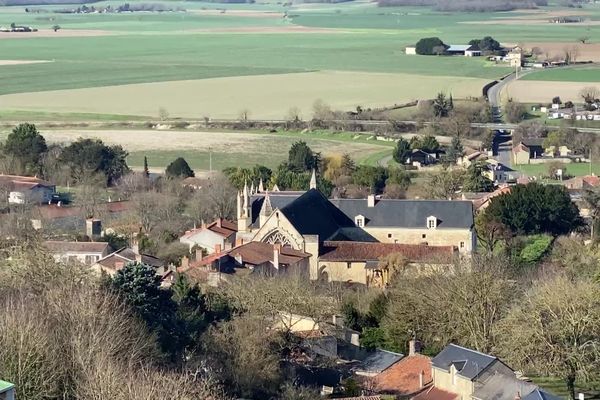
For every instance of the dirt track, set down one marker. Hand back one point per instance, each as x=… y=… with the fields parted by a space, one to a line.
x=51 y=33
x=20 y=62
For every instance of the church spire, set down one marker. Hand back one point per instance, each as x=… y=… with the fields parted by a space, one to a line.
x=313 y=180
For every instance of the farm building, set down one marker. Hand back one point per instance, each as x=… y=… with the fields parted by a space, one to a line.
x=466 y=50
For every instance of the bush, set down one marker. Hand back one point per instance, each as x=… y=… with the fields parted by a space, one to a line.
x=515 y=112
x=179 y=169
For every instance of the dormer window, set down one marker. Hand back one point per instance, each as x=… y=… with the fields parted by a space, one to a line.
x=432 y=222
x=359 y=221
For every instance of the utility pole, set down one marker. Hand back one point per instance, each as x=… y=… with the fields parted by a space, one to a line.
x=210 y=160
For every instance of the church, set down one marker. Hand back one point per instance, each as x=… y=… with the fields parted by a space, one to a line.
x=347 y=237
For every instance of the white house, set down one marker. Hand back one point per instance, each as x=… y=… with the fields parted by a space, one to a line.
x=27 y=189
x=220 y=233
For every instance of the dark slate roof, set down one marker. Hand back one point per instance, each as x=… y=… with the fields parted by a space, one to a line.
x=503 y=387
x=278 y=201
x=539 y=394
x=313 y=214
x=379 y=361
x=468 y=363
x=409 y=213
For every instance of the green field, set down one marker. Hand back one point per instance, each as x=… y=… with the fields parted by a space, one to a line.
x=573 y=169
x=581 y=74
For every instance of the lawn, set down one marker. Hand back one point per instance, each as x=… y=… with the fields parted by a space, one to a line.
x=581 y=74
x=558 y=387
x=573 y=169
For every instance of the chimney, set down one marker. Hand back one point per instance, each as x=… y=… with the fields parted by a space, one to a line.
x=239 y=241
x=198 y=254
x=371 y=200
x=219 y=222
x=414 y=347
x=218 y=248
x=421 y=378
x=138 y=257
x=93 y=228
x=276 y=251
x=185 y=262
x=581 y=396
x=135 y=246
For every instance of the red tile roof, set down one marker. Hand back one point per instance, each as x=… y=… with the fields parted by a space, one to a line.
x=434 y=393
x=25 y=181
x=256 y=253
x=221 y=227
x=403 y=377
x=365 y=251
x=54 y=211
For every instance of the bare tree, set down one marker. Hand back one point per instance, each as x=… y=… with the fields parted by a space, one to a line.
x=589 y=94
x=556 y=330
x=445 y=184
x=583 y=39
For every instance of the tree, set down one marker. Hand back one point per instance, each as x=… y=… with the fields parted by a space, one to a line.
x=514 y=111
x=401 y=151
x=553 y=169
x=441 y=106
x=534 y=208
x=455 y=150
x=589 y=94
x=583 y=39
x=556 y=100
x=301 y=157
x=139 y=286
x=348 y=166
x=370 y=177
x=555 y=330
x=92 y=155
x=179 y=169
x=163 y=114
x=27 y=145
x=490 y=232
x=464 y=307
x=426 y=46
x=592 y=198
x=55 y=28
x=146 y=170
x=489 y=45
x=475 y=181
x=445 y=184
x=398 y=176
x=429 y=144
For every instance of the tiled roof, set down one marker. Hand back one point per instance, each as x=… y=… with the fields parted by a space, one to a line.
x=256 y=253
x=434 y=393
x=221 y=227
x=31 y=180
x=404 y=377
x=76 y=247
x=53 y=211
x=365 y=251
x=468 y=363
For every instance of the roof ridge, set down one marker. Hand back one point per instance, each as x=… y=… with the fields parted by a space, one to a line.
x=473 y=351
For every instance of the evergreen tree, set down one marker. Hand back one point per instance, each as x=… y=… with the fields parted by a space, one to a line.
x=455 y=150
x=179 y=169
x=475 y=181
x=348 y=166
x=146 y=170
x=301 y=158
x=450 y=103
x=27 y=145
x=401 y=151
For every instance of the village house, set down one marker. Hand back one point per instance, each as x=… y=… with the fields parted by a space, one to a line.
x=258 y=257
x=7 y=391
x=582 y=182
x=27 y=189
x=499 y=173
x=466 y=50
x=407 y=377
x=218 y=233
x=464 y=374
x=482 y=200
x=115 y=261
x=420 y=158
x=87 y=253
x=528 y=149
x=362 y=262
x=61 y=218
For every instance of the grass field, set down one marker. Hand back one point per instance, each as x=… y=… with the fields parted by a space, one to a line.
x=533 y=91
x=251 y=40
x=227 y=148
x=583 y=74
x=266 y=96
x=573 y=169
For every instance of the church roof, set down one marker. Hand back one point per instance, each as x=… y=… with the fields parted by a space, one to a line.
x=278 y=201
x=313 y=214
x=409 y=213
